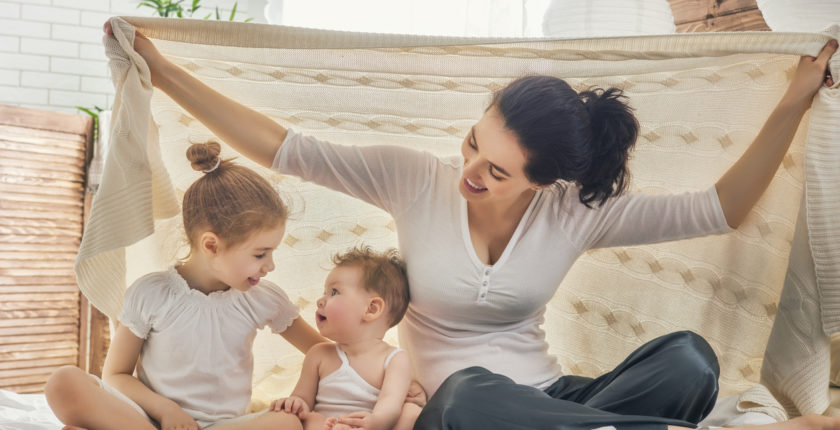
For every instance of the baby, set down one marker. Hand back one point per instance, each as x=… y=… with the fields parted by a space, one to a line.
x=360 y=381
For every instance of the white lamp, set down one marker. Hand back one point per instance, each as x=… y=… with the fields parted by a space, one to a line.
x=800 y=15
x=575 y=18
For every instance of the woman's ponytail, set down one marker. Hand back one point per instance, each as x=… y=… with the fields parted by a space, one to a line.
x=614 y=132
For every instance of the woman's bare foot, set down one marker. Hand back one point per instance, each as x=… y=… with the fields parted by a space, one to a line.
x=807 y=422
x=812 y=422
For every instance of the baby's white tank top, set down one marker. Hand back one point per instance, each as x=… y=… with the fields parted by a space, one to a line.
x=345 y=391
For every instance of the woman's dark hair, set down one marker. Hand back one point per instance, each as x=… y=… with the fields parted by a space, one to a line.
x=581 y=138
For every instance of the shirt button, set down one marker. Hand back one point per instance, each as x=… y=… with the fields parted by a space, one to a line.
x=484 y=283
x=487 y=272
x=482 y=295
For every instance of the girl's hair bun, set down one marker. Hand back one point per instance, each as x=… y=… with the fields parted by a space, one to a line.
x=204 y=157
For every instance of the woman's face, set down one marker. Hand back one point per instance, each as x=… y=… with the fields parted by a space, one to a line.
x=494 y=162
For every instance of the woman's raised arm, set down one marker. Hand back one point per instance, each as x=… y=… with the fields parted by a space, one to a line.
x=742 y=185
x=249 y=132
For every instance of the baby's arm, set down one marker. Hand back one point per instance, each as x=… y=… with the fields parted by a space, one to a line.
x=302 y=335
x=302 y=399
x=389 y=405
x=118 y=372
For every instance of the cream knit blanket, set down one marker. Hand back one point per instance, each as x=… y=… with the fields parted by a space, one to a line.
x=701 y=98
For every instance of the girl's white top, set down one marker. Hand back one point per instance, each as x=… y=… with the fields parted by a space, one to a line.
x=466 y=313
x=345 y=391
x=197 y=348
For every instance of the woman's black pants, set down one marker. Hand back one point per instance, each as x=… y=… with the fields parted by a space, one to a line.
x=671 y=380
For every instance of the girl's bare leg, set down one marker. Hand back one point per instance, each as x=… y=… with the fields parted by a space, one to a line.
x=77 y=400
x=268 y=421
x=314 y=421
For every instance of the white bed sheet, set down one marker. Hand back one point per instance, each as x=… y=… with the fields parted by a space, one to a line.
x=30 y=412
x=26 y=412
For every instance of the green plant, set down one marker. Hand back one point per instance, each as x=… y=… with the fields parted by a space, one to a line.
x=164 y=8
x=173 y=8
x=94 y=113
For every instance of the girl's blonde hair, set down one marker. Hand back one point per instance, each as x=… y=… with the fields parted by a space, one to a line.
x=230 y=200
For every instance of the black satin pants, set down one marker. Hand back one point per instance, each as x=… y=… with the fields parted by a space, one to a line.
x=671 y=380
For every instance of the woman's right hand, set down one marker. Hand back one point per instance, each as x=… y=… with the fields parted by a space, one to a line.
x=146 y=49
x=247 y=131
x=176 y=419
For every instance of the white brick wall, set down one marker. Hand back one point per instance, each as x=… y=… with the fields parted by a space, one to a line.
x=51 y=54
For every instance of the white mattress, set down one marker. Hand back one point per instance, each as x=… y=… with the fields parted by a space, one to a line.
x=30 y=412
x=26 y=412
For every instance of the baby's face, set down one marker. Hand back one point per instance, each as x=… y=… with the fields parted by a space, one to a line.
x=344 y=303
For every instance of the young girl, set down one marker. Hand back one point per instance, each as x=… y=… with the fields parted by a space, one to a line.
x=360 y=381
x=189 y=330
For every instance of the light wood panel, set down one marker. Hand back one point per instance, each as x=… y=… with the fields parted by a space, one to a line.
x=43 y=158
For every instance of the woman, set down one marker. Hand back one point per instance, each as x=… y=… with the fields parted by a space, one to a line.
x=488 y=238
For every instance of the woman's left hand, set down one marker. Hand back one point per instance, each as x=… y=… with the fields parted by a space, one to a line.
x=416 y=394
x=811 y=73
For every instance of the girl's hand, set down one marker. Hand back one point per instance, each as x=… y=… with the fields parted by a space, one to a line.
x=811 y=73
x=176 y=419
x=146 y=49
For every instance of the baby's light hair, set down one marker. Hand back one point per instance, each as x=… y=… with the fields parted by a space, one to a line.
x=383 y=273
x=230 y=200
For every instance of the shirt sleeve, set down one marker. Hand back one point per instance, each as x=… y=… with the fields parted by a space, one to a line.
x=387 y=176
x=143 y=300
x=271 y=307
x=635 y=219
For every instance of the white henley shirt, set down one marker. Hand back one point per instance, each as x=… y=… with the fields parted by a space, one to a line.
x=463 y=312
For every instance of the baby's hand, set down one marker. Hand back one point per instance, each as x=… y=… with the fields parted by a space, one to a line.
x=291 y=405
x=360 y=420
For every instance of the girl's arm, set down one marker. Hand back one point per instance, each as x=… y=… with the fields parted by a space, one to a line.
x=259 y=140
x=307 y=385
x=388 y=406
x=742 y=185
x=118 y=372
x=302 y=335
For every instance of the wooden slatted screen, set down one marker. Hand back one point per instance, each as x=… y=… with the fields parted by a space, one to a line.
x=42 y=173
x=691 y=16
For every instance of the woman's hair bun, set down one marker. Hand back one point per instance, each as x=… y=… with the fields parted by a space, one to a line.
x=614 y=131
x=204 y=157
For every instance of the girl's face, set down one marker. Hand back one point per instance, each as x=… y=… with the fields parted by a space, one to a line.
x=242 y=265
x=494 y=162
x=343 y=305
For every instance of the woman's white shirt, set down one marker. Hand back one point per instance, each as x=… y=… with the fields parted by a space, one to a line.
x=198 y=347
x=465 y=313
